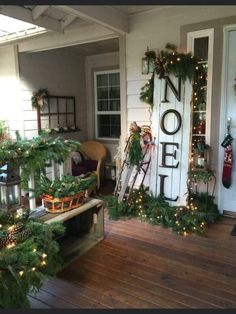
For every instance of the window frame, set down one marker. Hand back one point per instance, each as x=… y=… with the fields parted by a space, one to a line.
x=191 y=36
x=97 y=112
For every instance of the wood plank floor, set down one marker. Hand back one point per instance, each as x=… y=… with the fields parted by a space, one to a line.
x=143 y=266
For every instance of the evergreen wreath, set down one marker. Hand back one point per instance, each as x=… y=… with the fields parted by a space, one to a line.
x=28 y=253
x=183 y=65
x=38 y=99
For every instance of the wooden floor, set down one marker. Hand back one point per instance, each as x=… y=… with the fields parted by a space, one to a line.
x=143 y=266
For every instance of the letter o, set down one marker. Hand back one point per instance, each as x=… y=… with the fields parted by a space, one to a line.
x=179 y=121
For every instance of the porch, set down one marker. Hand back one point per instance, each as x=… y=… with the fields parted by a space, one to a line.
x=142 y=266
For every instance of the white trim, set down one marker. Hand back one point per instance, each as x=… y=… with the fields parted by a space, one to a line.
x=103 y=112
x=223 y=108
x=123 y=93
x=190 y=47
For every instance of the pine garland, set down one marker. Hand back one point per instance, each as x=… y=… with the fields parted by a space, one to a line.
x=35 y=154
x=183 y=65
x=195 y=217
x=146 y=94
x=25 y=260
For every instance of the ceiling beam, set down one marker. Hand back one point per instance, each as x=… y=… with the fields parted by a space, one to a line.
x=67 y=20
x=100 y=14
x=25 y=15
x=38 y=10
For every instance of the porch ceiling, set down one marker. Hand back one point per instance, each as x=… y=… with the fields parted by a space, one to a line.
x=59 y=18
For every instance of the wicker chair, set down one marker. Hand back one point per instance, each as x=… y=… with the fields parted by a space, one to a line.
x=95 y=151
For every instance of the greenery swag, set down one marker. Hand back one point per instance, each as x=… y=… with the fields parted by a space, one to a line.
x=183 y=65
x=35 y=154
x=28 y=252
x=200 y=212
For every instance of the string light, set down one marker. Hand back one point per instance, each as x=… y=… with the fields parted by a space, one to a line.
x=21 y=273
x=11 y=228
x=9 y=246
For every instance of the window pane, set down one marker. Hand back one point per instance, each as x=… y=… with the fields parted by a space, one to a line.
x=201 y=48
x=115 y=119
x=115 y=131
x=102 y=80
x=114 y=79
x=114 y=93
x=109 y=126
x=104 y=119
x=115 y=105
x=102 y=105
x=102 y=93
x=103 y=131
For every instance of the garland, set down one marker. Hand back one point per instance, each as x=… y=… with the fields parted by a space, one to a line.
x=200 y=212
x=34 y=155
x=28 y=252
x=183 y=65
x=199 y=175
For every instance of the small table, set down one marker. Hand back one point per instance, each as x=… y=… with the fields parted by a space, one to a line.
x=84 y=227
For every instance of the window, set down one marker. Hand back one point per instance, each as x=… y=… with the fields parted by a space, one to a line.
x=107 y=104
x=201 y=45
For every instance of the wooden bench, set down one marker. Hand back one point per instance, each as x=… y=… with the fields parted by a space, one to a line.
x=84 y=227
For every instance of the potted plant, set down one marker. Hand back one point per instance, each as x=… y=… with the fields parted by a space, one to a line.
x=64 y=194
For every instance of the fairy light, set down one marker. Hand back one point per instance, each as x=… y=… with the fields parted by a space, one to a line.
x=44 y=255
x=11 y=228
x=34 y=250
x=11 y=245
x=43 y=263
x=21 y=273
x=33 y=269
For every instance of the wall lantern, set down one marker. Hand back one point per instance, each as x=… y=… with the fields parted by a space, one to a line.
x=201 y=157
x=147 y=63
x=10 y=192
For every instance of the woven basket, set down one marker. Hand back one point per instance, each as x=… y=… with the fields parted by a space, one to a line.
x=60 y=205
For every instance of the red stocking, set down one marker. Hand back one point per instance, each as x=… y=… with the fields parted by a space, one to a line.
x=227 y=168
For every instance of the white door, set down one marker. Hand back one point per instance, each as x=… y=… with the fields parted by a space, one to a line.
x=227 y=197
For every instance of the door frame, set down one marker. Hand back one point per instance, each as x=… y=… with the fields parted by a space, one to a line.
x=223 y=110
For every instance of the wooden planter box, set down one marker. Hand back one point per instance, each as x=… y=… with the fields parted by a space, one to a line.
x=60 y=205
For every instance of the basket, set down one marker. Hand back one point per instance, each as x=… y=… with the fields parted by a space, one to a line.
x=60 y=205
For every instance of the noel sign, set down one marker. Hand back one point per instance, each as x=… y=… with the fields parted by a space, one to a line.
x=171 y=130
